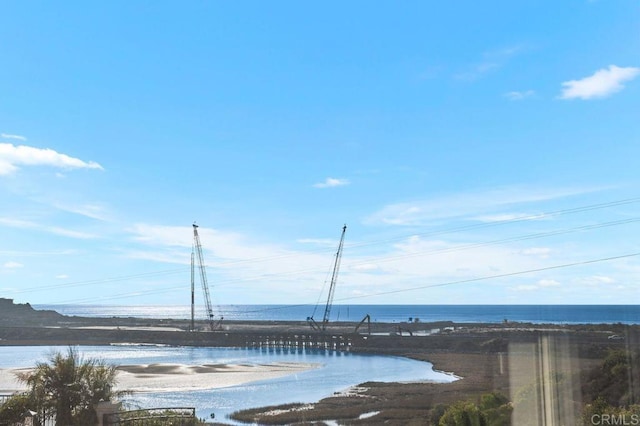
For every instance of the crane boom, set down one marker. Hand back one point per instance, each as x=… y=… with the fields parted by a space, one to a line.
x=334 y=278
x=332 y=288
x=203 y=275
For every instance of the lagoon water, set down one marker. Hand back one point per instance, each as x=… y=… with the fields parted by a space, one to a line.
x=338 y=372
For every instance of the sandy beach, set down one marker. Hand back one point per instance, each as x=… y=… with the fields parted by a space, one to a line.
x=180 y=377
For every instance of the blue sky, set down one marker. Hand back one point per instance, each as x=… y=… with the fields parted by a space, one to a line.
x=457 y=141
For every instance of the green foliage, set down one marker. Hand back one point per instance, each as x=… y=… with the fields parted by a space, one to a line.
x=69 y=387
x=437 y=412
x=494 y=409
x=612 y=382
x=600 y=412
x=14 y=409
x=462 y=413
x=492 y=400
x=160 y=418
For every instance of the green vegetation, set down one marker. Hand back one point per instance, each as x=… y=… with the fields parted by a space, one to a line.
x=160 y=417
x=67 y=387
x=494 y=409
x=613 y=389
x=614 y=380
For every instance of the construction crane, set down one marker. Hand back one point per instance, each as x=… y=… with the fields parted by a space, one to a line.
x=365 y=320
x=332 y=288
x=197 y=253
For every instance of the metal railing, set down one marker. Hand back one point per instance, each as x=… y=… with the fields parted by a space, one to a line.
x=174 y=416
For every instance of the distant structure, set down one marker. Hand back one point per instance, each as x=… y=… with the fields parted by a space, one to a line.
x=196 y=255
x=332 y=288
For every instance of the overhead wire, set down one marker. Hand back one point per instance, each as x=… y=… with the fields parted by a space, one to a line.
x=352 y=245
x=222 y=283
x=409 y=289
x=496 y=276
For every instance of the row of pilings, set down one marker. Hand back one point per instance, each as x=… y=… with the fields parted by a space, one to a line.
x=334 y=342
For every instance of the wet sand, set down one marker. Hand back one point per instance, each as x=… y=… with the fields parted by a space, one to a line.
x=179 y=377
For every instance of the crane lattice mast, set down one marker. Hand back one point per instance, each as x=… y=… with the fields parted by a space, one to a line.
x=193 y=291
x=197 y=248
x=332 y=287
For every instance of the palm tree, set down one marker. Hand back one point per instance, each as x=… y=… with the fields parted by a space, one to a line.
x=69 y=386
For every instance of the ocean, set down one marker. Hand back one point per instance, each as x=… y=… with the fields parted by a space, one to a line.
x=537 y=314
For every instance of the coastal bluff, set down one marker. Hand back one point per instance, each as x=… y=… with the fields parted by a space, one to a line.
x=20 y=314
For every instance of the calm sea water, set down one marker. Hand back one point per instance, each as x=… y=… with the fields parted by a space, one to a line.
x=339 y=371
x=556 y=314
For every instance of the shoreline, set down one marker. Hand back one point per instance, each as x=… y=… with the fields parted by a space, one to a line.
x=169 y=377
x=487 y=357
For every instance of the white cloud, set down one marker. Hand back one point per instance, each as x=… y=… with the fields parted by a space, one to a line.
x=62 y=276
x=93 y=211
x=317 y=241
x=597 y=280
x=12 y=265
x=16 y=137
x=365 y=267
x=473 y=205
x=542 y=252
x=491 y=60
x=548 y=283
x=235 y=258
x=544 y=283
x=601 y=84
x=331 y=182
x=505 y=217
x=69 y=233
x=13 y=156
x=17 y=223
x=24 y=224
x=530 y=287
x=518 y=96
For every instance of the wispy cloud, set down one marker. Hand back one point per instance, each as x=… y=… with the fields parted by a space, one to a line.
x=491 y=60
x=16 y=137
x=472 y=205
x=503 y=217
x=601 y=84
x=17 y=223
x=542 y=252
x=331 y=183
x=12 y=265
x=25 y=224
x=93 y=211
x=70 y=233
x=317 y=241
x=13 y=156
x=541 y=284
x=235 y=258
x=518 y=96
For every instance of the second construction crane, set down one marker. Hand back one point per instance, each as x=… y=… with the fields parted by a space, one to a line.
x=196 y=254
x=332 y=288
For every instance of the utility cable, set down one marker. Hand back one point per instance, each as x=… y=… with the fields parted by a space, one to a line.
x=352 y=245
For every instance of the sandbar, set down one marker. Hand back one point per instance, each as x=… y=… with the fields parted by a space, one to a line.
x=180 y=377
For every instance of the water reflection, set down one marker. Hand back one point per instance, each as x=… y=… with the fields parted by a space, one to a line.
x=338 y=371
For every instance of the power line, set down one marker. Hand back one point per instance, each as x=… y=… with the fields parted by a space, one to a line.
x=409 y=289
x=362 y=244
x=502 y=241
x=505 y=221
x=102 y=281
x=509 y=274
x=380 y=259
x=222 y=283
